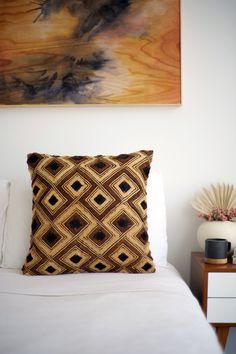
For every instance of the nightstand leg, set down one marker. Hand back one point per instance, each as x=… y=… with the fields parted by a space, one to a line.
x=222 y=334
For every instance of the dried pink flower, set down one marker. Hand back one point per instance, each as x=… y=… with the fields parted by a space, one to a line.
x=219 y=214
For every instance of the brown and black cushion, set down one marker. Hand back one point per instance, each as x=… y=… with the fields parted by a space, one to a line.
x=89 y=214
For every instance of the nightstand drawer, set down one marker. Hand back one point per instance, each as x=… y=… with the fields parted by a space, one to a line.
x=215 y=287
x=222 y=284
x=221 y=310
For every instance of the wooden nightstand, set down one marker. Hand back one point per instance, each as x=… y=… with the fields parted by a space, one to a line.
x=215 y=288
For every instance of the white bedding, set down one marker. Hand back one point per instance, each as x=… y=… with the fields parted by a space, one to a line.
x=101 y=314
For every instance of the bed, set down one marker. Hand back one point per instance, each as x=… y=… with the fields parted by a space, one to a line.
x=101 y=313
x=95 y=313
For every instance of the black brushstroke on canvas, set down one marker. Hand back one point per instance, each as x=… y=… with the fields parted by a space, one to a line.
x=70 y=84
x=99 y=13
x=71 y=78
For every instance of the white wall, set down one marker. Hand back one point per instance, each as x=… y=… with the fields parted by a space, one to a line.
x=195 y=142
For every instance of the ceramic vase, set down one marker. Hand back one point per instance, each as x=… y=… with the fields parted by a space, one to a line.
x=217 y=229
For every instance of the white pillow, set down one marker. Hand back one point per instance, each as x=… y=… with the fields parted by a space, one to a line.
x=17 y=235
x=18 y=225
x=4 y=199
x=157 y=218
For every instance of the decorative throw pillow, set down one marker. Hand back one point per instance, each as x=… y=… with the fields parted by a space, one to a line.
x=89 y=214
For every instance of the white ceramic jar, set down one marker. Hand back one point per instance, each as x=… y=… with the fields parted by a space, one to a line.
x=217 y=229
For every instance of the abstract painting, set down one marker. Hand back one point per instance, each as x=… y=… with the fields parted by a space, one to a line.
x=63 y=52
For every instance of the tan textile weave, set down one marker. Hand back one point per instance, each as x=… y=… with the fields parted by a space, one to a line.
x=89 y=214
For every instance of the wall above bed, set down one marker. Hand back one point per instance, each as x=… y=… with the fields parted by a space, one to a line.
x=194 y=143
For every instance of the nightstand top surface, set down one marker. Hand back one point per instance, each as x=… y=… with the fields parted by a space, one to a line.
x=199 y=258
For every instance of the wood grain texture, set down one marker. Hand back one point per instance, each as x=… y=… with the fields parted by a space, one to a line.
x=84 y=52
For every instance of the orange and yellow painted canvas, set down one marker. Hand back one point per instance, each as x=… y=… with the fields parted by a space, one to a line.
x=90 y=52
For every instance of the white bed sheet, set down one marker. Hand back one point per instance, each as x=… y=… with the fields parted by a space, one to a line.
x=101 y=314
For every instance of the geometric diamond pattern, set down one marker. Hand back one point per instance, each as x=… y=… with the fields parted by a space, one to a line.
x=144 y=205
x=29 y=258
x=74 y=259
x=76 y=186
x=141 y=205
x=75 y=223
x=124 y=186
x=99 y=236
x=50 y=268
x=38 y=189
x=100 y=166
x=145 y=265
x=53 y=201
x=100 y=265
x=51 y=238
x=123 y=222
x=143 y=236
x=54 y=167
x=99 y=200
x=89 y=214
x=35 y=224
x=32 y=258
x=124 y=255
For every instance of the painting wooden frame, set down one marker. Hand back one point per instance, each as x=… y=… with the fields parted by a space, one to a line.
x=85 y=52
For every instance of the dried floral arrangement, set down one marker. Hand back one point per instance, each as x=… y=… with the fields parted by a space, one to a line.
x=217 y=203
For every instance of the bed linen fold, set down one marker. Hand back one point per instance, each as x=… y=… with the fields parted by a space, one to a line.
x=14 y=282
